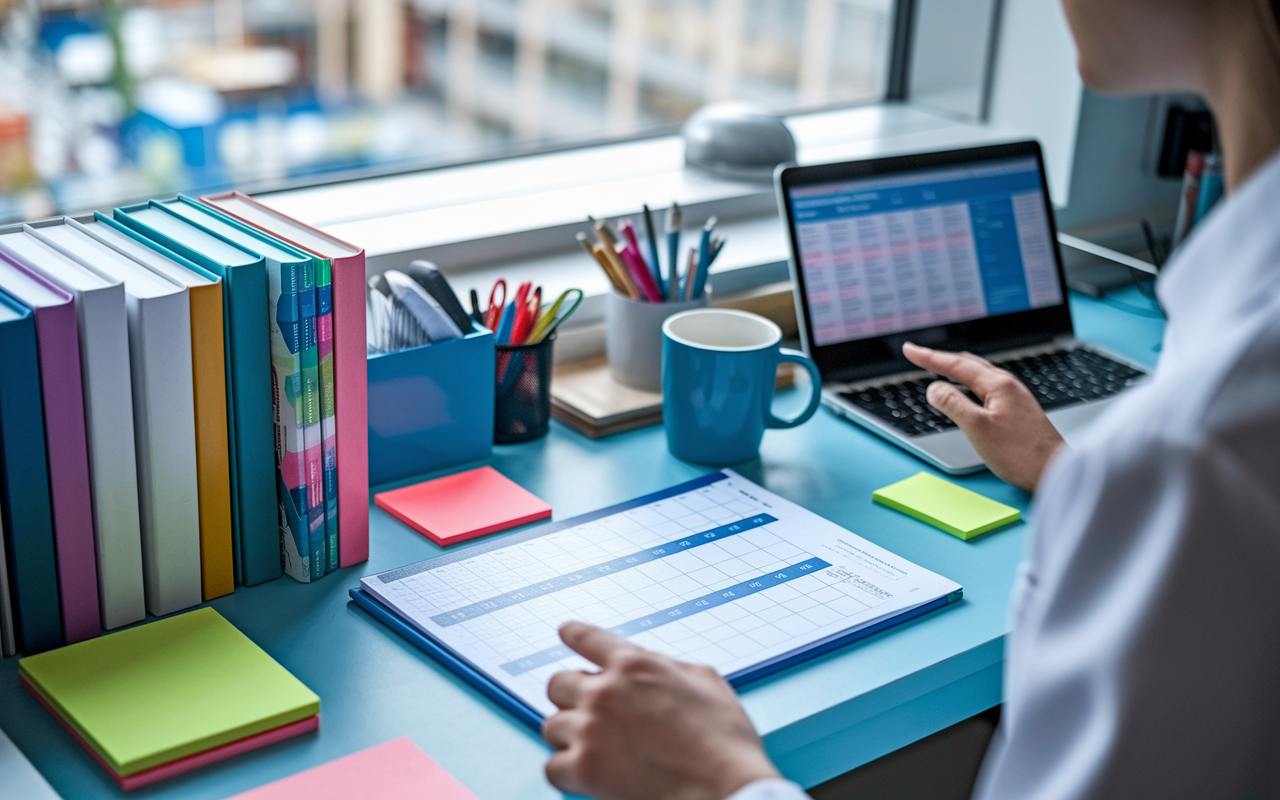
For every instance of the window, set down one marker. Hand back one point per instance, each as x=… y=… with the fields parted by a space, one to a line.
x=111 y=100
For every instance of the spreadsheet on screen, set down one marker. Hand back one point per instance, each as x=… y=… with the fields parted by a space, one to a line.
x=931 y=247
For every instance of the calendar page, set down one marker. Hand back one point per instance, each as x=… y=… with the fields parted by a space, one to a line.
x=718 y=571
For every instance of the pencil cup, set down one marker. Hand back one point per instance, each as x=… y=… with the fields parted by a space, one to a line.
x=522 y=403
x=633 y=338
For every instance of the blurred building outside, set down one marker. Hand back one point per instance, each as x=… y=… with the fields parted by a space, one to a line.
x=108 y=101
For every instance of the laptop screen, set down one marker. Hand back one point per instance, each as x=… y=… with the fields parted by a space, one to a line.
x=923 y=248
x=952 y=249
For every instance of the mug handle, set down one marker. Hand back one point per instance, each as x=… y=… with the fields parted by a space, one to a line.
x=815 y=385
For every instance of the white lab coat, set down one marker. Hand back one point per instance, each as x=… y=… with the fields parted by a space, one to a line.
x=1144 y=657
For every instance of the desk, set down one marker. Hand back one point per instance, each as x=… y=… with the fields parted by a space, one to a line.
x=819 y=719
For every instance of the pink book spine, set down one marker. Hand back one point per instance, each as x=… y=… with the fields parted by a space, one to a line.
x=351 y=399
x=351 y=385
x=63 y=395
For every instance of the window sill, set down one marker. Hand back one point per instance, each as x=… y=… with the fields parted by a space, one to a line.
x=516 y=218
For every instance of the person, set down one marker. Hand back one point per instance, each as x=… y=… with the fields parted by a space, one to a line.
x=1144 y=656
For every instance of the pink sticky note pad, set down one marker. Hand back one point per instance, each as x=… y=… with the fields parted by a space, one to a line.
x=462 y=506
x=397 y=769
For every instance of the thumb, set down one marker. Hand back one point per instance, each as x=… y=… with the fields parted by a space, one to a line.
x=953 y=402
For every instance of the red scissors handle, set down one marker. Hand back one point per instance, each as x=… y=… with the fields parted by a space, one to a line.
x=495 y=310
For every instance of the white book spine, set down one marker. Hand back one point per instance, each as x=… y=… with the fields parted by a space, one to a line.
x=164 y=421
x=113 y=466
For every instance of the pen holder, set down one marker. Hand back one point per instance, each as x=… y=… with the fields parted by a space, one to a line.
x=522 y=404
x=633 y=338
x=430 y=407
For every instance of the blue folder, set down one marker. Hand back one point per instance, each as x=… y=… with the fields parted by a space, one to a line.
x=486 y=685
x=24 y=485
x=250 y=425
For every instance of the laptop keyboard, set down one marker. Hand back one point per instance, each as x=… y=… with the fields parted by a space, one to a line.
x=1056 y=379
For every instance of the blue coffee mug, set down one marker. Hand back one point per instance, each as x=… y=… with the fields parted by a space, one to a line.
x=719 y=369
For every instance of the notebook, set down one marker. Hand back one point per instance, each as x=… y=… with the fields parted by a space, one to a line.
x=291 y=312
x=50 y=247
x=25 y=505
x=946 y=506
x=350 y=367
x=250 y=433
x=62 y=394
x=209 y=388
x=148 y=696
x=463 y=506
x=21 y=780
x=717 y=570
x=585 y=397
x=395 y=770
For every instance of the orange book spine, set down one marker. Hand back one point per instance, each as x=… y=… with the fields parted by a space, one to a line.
x=213 y=467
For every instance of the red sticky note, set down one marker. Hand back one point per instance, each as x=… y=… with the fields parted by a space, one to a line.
x=463 y=506
x=397 y=769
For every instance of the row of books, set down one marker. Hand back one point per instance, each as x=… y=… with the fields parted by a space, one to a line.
x=182 y=409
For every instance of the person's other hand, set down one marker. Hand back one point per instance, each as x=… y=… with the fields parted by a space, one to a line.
x=1009 y=430
x=646 y=726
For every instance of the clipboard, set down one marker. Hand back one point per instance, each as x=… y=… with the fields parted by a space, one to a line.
x=522 y=712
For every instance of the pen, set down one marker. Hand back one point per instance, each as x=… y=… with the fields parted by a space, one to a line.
x=674 y=218
x=653 y=250
x=640 y=273
x=704 y=258
x=690 y=275
x=521 y=323
x=504 y=326
x=635 y=260
x=475 y=307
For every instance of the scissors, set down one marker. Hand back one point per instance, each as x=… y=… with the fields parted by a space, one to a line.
x=553 y=316
x=495 y=309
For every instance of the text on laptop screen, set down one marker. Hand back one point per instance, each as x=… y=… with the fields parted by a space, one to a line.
x=899 y=252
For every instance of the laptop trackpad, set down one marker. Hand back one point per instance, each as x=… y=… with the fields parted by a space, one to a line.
x=1072 y=421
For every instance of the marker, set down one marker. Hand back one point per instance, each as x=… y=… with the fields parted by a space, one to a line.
x=674 y=218
x=653 y=250
x=704 y=259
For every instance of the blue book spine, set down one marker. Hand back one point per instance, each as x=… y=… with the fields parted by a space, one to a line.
x=249 y=361
x=28 y=511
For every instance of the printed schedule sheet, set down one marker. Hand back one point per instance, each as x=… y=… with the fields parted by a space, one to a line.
x=718 y=571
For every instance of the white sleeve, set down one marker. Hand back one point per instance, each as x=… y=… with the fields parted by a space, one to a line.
x=1145 y=653
x=769 y=789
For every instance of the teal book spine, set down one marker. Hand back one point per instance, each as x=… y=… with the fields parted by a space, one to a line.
x=24 y=485
x=313 y=434
x=250 y=425
x=328 y=407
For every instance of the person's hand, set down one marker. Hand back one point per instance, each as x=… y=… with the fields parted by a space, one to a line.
x=1009 y=430
x=646 y=726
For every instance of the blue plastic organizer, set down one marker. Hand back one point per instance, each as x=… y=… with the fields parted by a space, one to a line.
x=431 y=407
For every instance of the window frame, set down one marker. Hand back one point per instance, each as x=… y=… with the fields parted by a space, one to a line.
x=529 y=244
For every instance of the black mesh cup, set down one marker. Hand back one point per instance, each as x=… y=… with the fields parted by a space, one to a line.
x=522 y=401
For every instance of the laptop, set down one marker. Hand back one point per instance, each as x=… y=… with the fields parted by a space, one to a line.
x=954 y=250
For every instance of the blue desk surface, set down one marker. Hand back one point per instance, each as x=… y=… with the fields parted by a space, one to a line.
x=819 y=719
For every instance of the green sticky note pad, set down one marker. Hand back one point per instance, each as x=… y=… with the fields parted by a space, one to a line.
x=149 y=695
x=945 y=505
